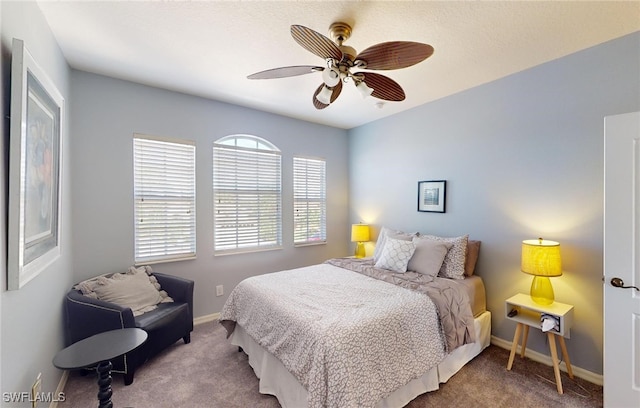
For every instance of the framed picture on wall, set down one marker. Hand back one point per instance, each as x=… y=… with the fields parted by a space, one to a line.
x=37 y=111
x=431 y=195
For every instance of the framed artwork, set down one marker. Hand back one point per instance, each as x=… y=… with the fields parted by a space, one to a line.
x=37 y=111
x=431 y=195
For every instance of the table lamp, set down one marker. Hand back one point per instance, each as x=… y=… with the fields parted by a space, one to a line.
x=359 y=234
x=541 y=258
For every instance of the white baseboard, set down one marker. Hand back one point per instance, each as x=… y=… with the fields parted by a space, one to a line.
x=60 y=389
x=206 y=319
x=545 y=359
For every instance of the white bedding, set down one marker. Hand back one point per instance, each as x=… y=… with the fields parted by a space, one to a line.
x=349 y=340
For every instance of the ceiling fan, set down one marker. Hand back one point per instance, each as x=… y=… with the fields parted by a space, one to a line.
x=341 y=59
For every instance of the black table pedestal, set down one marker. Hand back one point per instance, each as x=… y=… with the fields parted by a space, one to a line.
x=104 y=384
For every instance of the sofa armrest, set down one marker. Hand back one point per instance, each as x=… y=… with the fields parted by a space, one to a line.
x=86 y=316
x=180 y=289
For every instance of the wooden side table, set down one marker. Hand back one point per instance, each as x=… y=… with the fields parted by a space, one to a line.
x=523 y=310
x=100 y=349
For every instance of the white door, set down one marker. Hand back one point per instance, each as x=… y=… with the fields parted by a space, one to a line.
x=622 y=261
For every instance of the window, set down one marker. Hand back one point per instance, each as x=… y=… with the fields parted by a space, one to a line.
x=164 y=192
x=309 y=201
x=247 y=213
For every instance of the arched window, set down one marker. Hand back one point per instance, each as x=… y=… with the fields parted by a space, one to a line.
x=247 y=194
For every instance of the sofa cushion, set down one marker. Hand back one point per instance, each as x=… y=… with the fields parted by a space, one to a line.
x=162 y=315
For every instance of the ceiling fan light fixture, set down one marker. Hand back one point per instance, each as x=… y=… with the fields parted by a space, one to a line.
x=340 y=59
x=331 y=76
x=364 y=89
x=324 y=96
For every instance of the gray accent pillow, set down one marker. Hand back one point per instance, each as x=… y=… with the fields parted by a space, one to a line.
x=454 y=262
x=428 y=256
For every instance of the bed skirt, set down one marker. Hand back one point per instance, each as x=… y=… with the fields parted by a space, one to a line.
x=276 y=380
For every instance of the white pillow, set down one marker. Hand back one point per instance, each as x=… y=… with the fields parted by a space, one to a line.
x=453 y=265
x=382 y=237
x=429 y=255
x=395 y=255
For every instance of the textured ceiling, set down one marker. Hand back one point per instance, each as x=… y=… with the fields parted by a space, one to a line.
x=207 y=48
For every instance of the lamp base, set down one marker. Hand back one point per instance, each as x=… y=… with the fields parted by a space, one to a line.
x=541 y=290
x=360 y=252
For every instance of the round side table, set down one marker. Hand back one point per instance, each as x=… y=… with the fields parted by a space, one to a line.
x=100 y=349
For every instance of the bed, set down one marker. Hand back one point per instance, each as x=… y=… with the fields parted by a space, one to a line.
x=362 y=332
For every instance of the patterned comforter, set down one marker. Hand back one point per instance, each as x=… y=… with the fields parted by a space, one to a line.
x=348 y=338
x=452 y=302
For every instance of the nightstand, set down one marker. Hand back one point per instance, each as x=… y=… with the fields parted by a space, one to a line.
x=529 y=314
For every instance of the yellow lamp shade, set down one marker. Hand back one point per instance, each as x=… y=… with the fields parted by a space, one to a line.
x=541 y=258
x=359 y=233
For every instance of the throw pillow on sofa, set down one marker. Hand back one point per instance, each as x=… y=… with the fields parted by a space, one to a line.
x=136 y=288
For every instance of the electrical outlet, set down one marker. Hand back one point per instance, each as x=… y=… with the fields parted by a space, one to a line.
x=219 y=290
x=35 y=391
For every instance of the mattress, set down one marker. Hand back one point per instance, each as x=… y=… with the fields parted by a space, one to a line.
x=474 y=286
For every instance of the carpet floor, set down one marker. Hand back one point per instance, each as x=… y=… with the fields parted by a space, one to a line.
x=210 y=372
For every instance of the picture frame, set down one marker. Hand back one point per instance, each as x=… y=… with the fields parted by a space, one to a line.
x=35 y=146
x=432 y=196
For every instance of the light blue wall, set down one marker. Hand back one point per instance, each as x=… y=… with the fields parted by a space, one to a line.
x=523 y=158
x=32 y=323
x=106 y=113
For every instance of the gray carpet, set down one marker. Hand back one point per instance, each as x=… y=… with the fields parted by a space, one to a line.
x=210 y=372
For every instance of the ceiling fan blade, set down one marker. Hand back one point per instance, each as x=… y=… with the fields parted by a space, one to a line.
x=315 y=42
x=395 y=54
x=316 y=103
x=284 y=72
x=383 y=87
x=336 y=91
x=334 y=95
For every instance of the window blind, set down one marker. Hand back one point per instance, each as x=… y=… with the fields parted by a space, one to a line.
x=164 y=199
x=247 y=197
x=309 y=201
